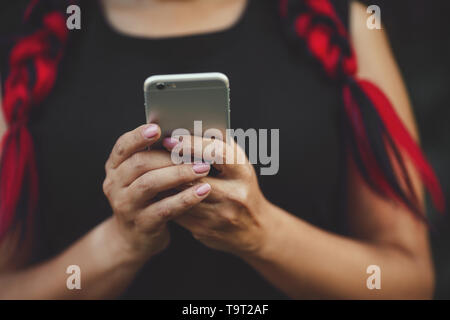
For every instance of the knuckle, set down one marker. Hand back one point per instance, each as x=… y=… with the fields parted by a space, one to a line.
x=120 y=148
x=183 y=173
x=138 y=161
x=107 y=165
x=136 y=136
x=107 y=186
x=164 y=210
x=145 y=183
x=186 y=200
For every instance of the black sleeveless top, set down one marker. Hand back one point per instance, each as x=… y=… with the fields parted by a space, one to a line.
x=99 y=96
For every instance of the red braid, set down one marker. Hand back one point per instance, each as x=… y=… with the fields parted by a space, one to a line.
x=33 y=63
x=373 y=126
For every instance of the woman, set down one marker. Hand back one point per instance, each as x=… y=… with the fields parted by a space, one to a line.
x=311 y=231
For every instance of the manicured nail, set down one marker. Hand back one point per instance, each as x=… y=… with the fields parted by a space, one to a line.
x=150 y=131
x=200 y=168
x=203 y=189
x=170 y=143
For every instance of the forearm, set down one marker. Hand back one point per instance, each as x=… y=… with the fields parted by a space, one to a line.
x=106 y=270
x=306 y=262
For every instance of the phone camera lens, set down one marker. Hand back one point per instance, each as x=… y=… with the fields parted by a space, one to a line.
x=160 y=86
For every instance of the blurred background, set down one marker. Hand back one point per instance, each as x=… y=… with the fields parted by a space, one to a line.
x=419 y=31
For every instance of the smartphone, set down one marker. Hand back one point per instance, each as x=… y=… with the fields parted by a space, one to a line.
x=180 y=100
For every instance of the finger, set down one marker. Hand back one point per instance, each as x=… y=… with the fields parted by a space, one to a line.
x=190 y=222
x=140 y=163
x=202 y=216
x=132 y=142
x=223 y=156
x=153 y=182
x=172 y=207
x=191 y=147
x=220 y=188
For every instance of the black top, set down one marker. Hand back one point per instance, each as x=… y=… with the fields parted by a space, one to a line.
x=99 y=96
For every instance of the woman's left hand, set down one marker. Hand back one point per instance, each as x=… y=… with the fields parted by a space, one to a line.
x=233 y=217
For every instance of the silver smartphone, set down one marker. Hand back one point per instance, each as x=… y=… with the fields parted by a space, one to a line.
x=178 y=101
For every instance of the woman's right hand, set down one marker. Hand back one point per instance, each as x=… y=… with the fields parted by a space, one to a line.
x=135 y=179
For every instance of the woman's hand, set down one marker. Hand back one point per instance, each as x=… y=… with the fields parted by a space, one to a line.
x=232 y=218
x=135 y=181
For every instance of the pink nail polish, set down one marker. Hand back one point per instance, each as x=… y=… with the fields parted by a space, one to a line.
x=200 y=168
x=170 y=143
x=150 y=131
x=203 y=189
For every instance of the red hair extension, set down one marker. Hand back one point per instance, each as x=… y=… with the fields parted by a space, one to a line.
x=373 y=126
x=33 y=63
x=402 y=138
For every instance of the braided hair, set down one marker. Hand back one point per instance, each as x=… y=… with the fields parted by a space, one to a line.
x=373 y=128
x=32 y=69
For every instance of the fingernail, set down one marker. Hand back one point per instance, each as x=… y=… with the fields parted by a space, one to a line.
x=203 y=189
x=201 y=168
x=170 y=143
x=150 y=131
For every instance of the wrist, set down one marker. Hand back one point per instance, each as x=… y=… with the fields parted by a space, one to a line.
x=120 y=247
x=267 y=225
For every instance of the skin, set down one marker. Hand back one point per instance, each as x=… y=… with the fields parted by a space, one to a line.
x=234 y=216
